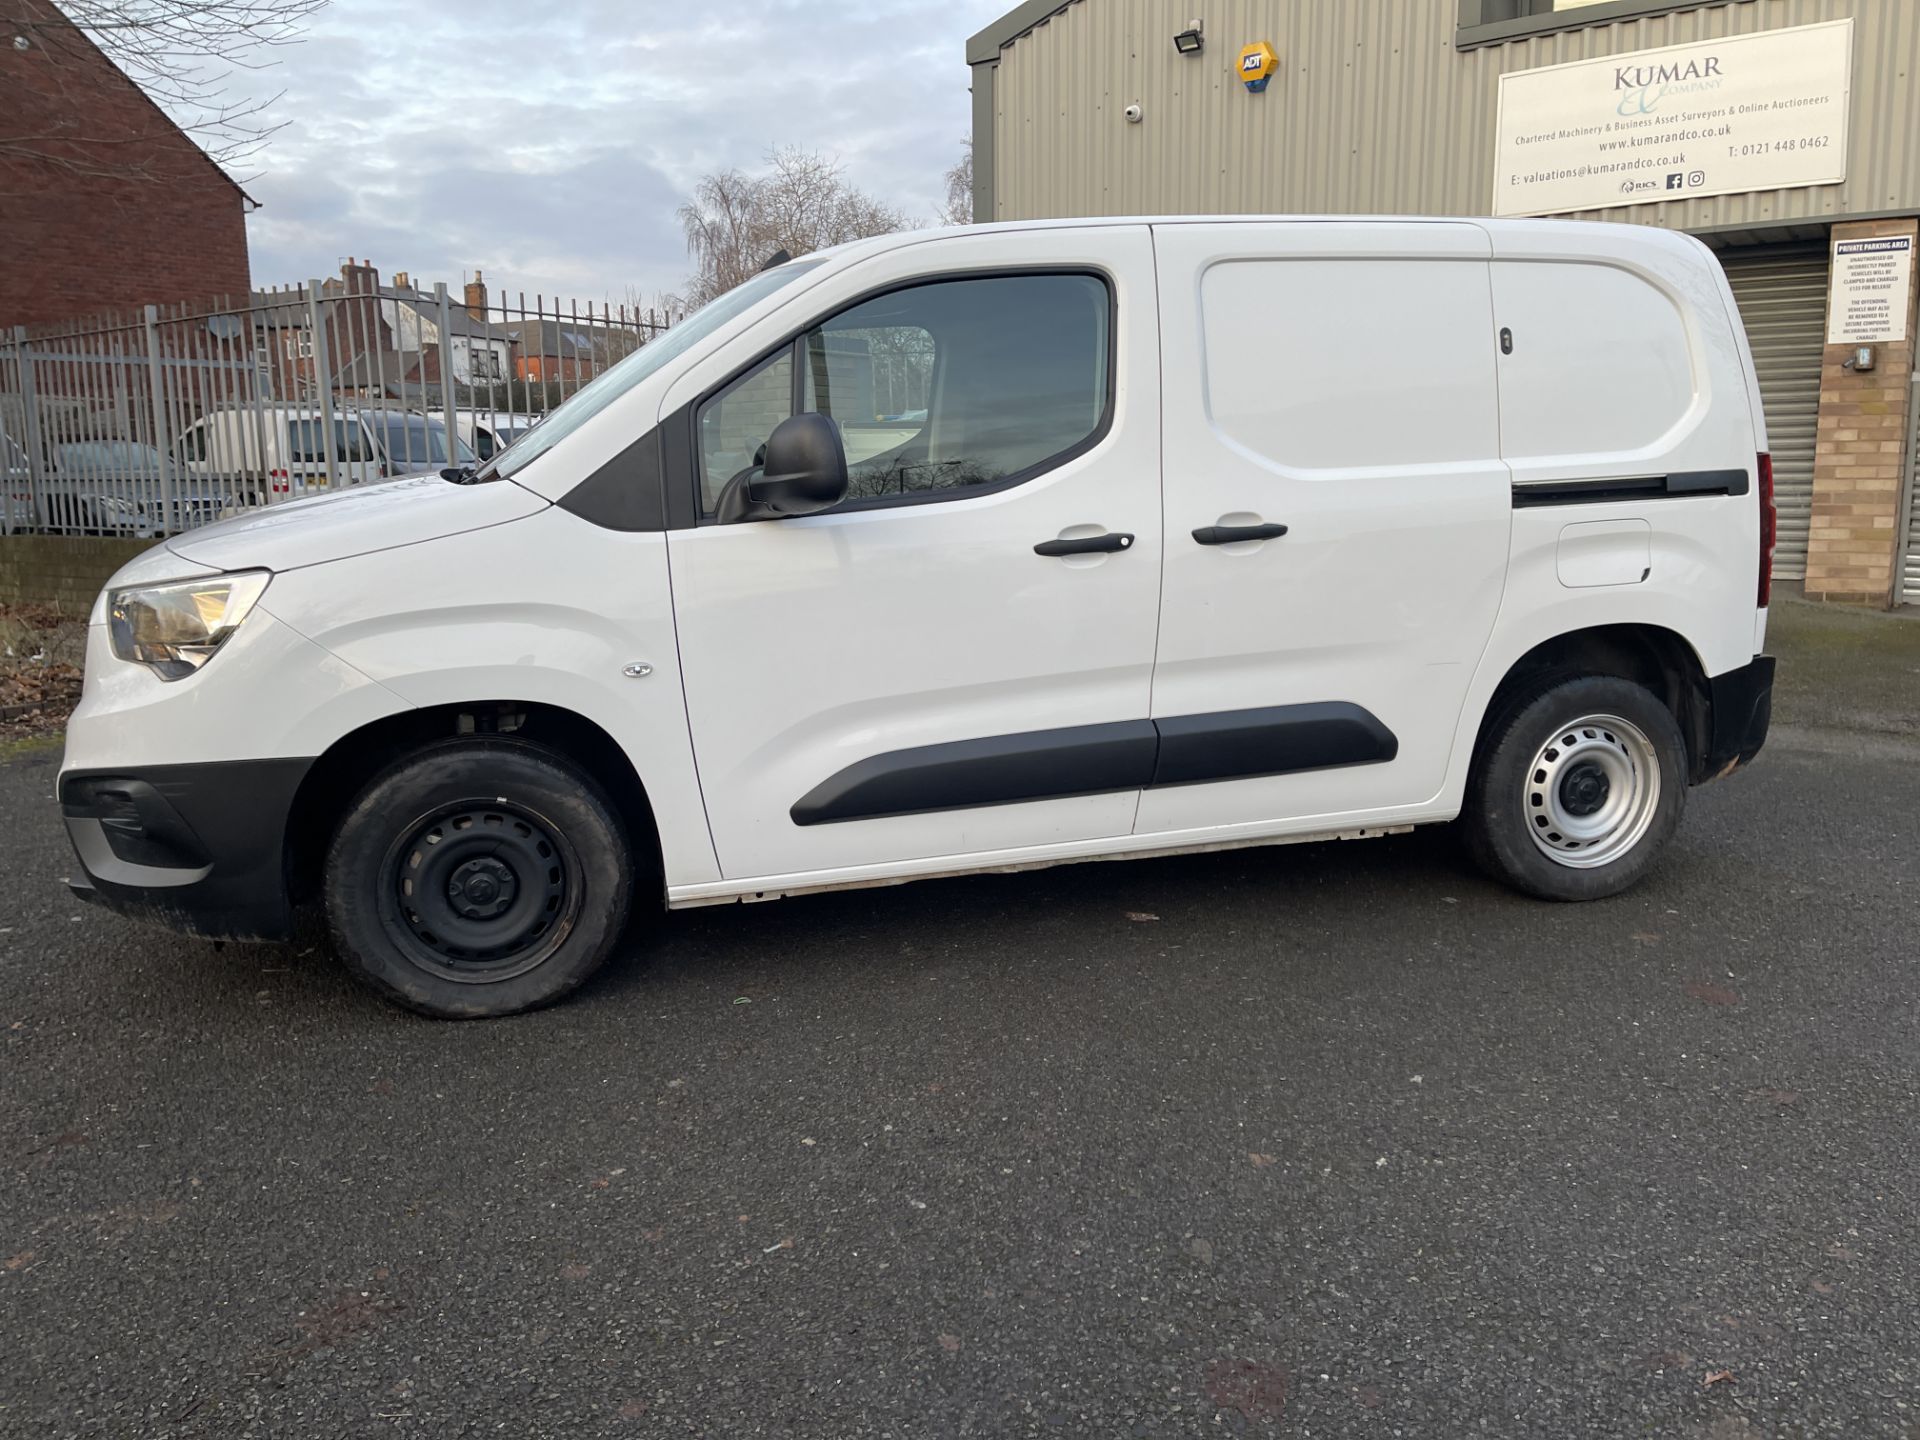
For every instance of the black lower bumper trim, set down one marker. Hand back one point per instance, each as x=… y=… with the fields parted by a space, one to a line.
x=1742 y=711
x=200 y=848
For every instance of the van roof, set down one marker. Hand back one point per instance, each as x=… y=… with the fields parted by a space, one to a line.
x=1575 y=234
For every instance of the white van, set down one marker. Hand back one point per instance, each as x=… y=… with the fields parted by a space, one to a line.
x=1201 y=533
x=284 y=449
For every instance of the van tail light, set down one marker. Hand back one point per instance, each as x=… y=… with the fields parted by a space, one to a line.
x=1769 y=530
x=282 y=482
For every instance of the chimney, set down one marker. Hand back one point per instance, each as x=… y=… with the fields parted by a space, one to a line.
x=402 y=280
x=477 y=297
x=361 y=279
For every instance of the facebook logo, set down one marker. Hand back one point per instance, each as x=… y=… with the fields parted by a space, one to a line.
x=1676 y=180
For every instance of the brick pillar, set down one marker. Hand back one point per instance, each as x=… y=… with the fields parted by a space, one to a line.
x=1859 y=459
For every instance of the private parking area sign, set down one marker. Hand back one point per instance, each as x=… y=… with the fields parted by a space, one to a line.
x=1872 y=279
x=1766 y=111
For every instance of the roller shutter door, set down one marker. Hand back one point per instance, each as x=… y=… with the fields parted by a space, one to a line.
x=1910 y=581
x=1782 y=294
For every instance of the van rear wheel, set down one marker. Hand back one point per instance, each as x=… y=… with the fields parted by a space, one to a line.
x=478 y=877
x=1578 y=786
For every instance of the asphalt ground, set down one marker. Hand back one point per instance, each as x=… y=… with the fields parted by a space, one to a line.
x=1317 y=1140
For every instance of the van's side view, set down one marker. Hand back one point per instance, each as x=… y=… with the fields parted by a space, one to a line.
x=972 y=550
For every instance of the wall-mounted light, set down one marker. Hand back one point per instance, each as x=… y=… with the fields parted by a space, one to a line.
x=1190 y=41
x=1860 y=359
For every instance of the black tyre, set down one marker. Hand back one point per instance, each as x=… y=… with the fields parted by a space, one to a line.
x=1578 y=785
x=478 y=878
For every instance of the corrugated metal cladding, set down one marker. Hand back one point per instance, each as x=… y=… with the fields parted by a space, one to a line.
x=1373 y=111
x=1782 y=296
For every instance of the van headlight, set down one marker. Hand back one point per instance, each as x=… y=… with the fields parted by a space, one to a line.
x=174 y=629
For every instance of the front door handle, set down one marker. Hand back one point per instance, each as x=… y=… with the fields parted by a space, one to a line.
x=1087 y=544
x=1227 y=534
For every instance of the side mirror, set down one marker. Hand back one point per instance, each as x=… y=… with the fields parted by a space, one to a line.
x=805 y=469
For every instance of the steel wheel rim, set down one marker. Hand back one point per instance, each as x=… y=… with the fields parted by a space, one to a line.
x=1591 y=793
x=480 y=891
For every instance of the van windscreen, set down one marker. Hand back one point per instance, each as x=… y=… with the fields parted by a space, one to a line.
x=306 y=441
x=610 y=385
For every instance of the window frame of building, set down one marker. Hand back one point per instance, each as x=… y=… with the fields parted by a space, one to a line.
x=1494 y=22
x=795 y=346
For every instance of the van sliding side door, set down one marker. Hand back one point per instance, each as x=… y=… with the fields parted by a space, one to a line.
x=1337 y=516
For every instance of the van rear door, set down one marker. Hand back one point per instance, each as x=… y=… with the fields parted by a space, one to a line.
x=1336 y=516
x=356 y=458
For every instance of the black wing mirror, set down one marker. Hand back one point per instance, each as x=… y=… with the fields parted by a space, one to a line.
x=805 y=469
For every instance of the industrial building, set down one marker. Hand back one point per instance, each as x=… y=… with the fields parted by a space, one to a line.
x=1784 y=133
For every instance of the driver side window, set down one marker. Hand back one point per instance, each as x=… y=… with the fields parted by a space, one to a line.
x=937 y=388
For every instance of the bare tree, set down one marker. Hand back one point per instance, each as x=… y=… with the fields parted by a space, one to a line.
x=959 y=207
x=189 y=56
x=801 y=203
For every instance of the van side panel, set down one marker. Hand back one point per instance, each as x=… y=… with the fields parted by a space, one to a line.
x=1624 y=399
x=1338 y=380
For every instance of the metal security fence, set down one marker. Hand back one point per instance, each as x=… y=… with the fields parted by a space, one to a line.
x=148 y=424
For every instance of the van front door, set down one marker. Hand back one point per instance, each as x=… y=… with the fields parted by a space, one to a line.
x=1337 y=519
x=955 y=661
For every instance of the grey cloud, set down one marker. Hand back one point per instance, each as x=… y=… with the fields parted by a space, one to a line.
x=550 y=145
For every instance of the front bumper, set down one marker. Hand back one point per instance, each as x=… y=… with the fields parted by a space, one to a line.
x=1742 y=710
x=200 y=848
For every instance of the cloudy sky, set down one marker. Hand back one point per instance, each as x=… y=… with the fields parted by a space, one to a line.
x=548 y=142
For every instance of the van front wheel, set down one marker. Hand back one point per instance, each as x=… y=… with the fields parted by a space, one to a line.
x=1577 y=787
x=477 y=878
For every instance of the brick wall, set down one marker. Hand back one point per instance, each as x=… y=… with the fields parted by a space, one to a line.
x=63 y=571
x=87 y=226
x=1859 y=460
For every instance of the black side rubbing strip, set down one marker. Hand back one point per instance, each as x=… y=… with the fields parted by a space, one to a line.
x=1707 y=482
x=1683 y=484
x=1100 y=759
x=626 y=493
x=998 y=770
x=1277 y=740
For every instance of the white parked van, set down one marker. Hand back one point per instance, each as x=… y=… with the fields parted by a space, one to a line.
x=1196 y=533
x=287 y=449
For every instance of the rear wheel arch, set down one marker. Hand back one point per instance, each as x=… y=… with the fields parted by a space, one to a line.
x=1661 y=660
x=339 y=775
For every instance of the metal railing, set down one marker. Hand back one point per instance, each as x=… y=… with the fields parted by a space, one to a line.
x=149 y=424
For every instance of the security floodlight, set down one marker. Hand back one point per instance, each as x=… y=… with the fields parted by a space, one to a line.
x=1190 y=41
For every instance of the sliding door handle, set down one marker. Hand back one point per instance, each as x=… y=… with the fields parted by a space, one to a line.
x=1227 y=534
x=1087 y=544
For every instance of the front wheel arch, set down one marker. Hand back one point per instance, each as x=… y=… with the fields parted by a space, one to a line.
x=346 y=767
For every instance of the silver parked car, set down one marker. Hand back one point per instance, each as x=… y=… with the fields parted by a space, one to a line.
x=123 y=487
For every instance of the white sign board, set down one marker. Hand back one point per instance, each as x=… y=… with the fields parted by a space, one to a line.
x=1867 y=304
x=1765 y=111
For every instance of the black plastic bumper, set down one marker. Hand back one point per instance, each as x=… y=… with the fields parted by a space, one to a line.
x=200 y=848
x=1742 y=710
